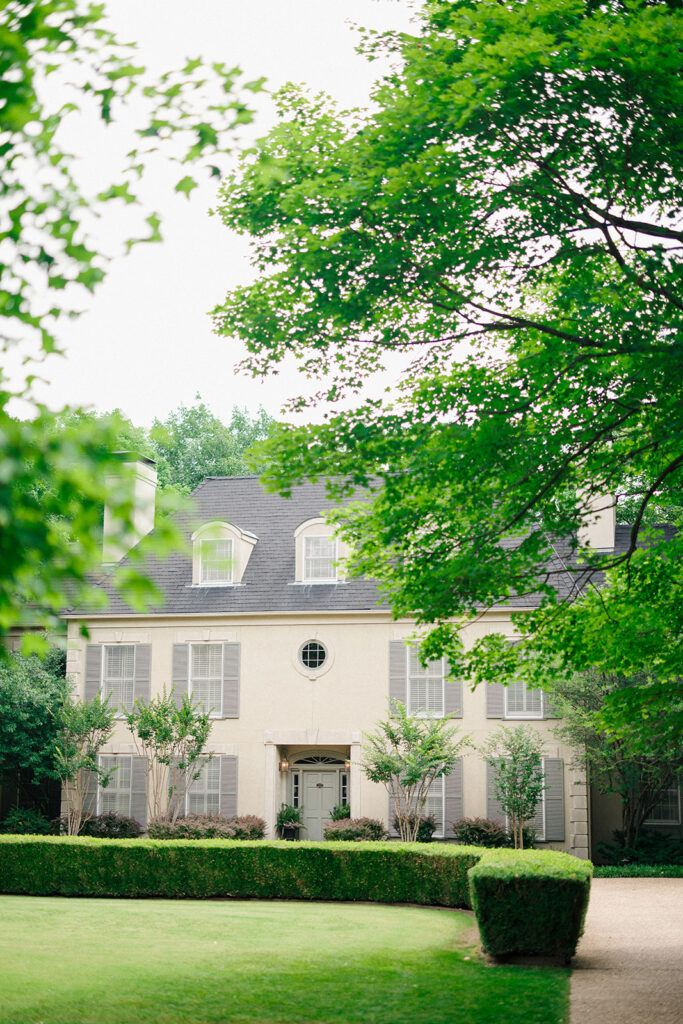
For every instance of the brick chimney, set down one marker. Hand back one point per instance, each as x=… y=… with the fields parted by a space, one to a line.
x=599 y=525
x=135 y=482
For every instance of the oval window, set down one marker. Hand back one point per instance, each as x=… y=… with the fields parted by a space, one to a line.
x=313 y=654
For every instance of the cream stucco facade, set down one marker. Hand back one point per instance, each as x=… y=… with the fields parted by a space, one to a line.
x=287 y=712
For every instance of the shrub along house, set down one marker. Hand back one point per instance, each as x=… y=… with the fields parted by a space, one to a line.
x=295 y=663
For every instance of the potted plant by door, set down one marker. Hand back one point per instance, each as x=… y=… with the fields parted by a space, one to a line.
x=289 y=821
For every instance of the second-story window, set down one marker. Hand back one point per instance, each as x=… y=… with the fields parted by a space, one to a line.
x=320 y=557
x=425 y=686
x=215 y=561
x=118 y=675
x=206 y=677
x=523 y=702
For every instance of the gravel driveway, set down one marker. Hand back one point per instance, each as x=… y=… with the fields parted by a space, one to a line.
x=628 y=968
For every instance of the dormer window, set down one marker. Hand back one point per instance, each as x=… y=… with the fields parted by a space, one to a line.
x=320 y=560
x=220 y=553
x=319 y=554
x=215 y=561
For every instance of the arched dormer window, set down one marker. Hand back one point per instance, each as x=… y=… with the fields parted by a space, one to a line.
x=220 y=553
x=319 y=554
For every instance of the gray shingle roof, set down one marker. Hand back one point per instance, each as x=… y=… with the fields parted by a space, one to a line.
x=268 y=582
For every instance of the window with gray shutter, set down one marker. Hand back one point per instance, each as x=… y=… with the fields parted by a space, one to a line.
x=204 y=793
x=180 y=671
x=391 y=828
x=138 y=794
x=90 y=799
x=116 y=795
x=228 y=797
x=554 y=799
x=495 y=700
x=398 y=687
x=93 y=670
x=494 y=811
x=453 y=798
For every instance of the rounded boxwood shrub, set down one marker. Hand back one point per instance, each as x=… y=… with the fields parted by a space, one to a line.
x=354 y=830
x=209 y=826
x=25 y=822
x=489 y=833
x=425 y=830
x=111 y=826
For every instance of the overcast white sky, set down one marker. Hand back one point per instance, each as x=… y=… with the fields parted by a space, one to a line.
x=146 y=344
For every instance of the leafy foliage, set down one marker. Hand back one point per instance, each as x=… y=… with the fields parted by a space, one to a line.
x=426 y=827
x=515 y=755
x=650 y=847
x=25 y=821
x=209 y=826
x=620 y=761
x=31 y=691
x=484 y=832
x=83 y=728
x=340 y=811
x=171 y=734
x=111 y=826
x=355 y=830
x=506 y=219
x=406 y=755
x=60 y=61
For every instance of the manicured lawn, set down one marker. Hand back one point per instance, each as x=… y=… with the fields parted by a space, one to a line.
x=72 y=961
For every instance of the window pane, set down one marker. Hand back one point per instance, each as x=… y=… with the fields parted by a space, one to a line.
x=216 y=561
x=119 y=674
x=320 y=554
x=425 y=686
x=667 y=808
x=434 y=804
x=204 y=792
x=522 y=701
x=206 y=677
x=116 y=796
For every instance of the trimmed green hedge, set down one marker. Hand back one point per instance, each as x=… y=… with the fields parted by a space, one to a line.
x=433 y=874
x=530 y=903
x=638 y=871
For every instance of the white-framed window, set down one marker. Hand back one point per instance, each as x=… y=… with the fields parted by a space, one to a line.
x=424 y=686
x=537 y=823
x=523 y=702
x=320 y=559
x=206 y=677
x=116 y=796
x=215 y=561
x=434 y=804
x=204 y=794
x=118 y=676
x=667 y=810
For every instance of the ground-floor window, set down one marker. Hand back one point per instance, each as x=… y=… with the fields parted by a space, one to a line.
x=434 y=804
x=116 y=795
x=204 y=794
x=667 y=810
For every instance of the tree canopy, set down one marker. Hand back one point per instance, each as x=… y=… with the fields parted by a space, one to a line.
x=60 y=60
x=507 y=219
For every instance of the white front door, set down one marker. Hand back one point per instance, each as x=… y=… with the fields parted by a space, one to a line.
x=320 y=795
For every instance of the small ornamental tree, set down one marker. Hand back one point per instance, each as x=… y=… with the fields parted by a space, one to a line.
x=407 y=755
x=171 y=736
x=83 y=727
x=515 y=754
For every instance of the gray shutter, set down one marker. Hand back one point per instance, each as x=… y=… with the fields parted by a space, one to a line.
x=452 y=695
x=453 y=798
x=180 y=670
x=231 y=680
x=138 y=791
x=141 y=685
x=494 y=810
x=495 y=700
x=93 y=670
x=548 y=709
x=228 y=798
x=398 y=684
x=554 y=799
x=90 y=800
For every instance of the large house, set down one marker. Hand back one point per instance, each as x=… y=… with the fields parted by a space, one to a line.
x=296 y=662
